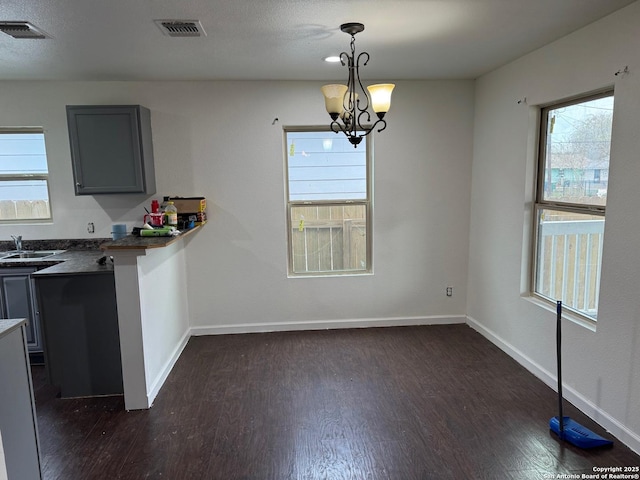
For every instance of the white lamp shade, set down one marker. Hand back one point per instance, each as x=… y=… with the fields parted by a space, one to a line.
x=381 y=96
x=333 y=97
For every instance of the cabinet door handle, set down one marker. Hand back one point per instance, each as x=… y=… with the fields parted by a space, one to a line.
x=78 y=184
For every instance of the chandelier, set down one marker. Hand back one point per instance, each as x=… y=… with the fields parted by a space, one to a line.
x=348 y=105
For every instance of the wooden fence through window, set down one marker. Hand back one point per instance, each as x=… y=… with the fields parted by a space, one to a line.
x=326 y=238
x=569 y=262
x=24 y=210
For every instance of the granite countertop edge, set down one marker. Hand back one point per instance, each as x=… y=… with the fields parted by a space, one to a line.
x=132 y=242
x=9 y=325
x=75 y=262
x=80 y=257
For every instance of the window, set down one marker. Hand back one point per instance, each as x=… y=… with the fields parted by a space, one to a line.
x=573 y=173
x=328 y=203
x=24 y=189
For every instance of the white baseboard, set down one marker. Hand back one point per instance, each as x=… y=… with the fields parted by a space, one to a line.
x=327 y=324
x=166 y=369
x=621 y=432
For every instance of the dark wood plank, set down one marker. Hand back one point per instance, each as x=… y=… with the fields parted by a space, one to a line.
x=404 y=403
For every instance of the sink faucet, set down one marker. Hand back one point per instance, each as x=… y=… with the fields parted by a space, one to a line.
x=17 y=239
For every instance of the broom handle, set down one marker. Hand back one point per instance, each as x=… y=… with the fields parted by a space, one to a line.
x=559 y=356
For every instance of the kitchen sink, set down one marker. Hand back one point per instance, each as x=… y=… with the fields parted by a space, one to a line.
x=31 y=255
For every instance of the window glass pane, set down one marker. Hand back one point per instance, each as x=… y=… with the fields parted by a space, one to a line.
x=22 y=153
x=329 y=238
x=328 y=204
x=23 y=156
x=23 y=200
x=569 y=259
x=325 y=166
x=23 y=190
x=576 y=152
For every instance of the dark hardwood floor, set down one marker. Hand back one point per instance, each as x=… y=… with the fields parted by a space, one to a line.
x=433 y=402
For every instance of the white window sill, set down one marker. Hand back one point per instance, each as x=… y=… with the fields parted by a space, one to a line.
x=581 y=320
x=330 y=275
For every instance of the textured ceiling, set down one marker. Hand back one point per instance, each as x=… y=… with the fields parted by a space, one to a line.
x=283 y=39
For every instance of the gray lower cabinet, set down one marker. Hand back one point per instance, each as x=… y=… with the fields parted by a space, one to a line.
x=17 y=300
x=81 y=337
x=111 y=149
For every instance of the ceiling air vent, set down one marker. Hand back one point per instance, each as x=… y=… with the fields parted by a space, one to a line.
x=22 y=30
x=181 y=28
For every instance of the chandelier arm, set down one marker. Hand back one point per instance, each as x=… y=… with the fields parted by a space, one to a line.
x=383 y=122
x=352 y=107
x=336 y=127
x=363 y=113
x=349 y=98
x=357 y=76
x=373 y=127
x=353 y=103
x=347 y=61
x=342 y=60
x=362 y=55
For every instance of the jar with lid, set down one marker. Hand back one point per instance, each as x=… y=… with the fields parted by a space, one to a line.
x=171 y=215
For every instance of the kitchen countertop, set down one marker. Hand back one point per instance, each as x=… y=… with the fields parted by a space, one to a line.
x=76 y=262
x=131 y=242
x=85 y=259
x=7 y=326
x=68 y=262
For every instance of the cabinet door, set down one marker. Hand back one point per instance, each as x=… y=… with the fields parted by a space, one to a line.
x=80 y=324
x=18 y=301
x=18 y=422
x=111 y=149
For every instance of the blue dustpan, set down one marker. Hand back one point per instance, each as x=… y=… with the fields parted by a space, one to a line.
x=576 y=434
x=567 y=429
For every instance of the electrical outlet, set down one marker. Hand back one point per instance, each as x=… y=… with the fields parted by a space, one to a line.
x=449 y=291
x=91 y=228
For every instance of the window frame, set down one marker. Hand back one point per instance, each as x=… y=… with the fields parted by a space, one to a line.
x=540 y=203
x=28 y=176
x=367 y=203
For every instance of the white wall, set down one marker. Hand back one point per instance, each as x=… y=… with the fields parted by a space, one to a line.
x=217 y=139
x=421 y=195
x=164 y=310
x=153 y=317
x=3 y=463
x=601 y=368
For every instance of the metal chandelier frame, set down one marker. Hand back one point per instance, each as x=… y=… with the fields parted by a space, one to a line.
x=351 y=115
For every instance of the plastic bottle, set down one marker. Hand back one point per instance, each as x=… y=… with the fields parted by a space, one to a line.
x=171 y=214
x=155 y=206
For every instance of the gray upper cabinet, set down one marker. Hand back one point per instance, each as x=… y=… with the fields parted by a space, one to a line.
x=111 y=149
